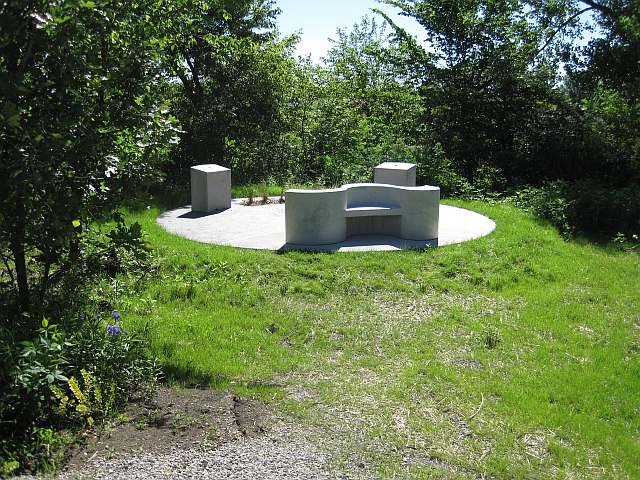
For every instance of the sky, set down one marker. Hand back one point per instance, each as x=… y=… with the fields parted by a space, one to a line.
x=317 y=21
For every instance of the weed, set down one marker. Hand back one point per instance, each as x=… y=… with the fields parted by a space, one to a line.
x=491 y=340
x=181 y=422
x=213 y=434
x=263 y=190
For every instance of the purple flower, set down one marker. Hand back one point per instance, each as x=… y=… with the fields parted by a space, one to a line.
x=113 y=330
x=98 y=314
x=115 y=316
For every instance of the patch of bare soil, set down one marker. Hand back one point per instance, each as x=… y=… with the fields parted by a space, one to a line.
x=178 y=418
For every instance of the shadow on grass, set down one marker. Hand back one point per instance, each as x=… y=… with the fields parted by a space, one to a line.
x=601 y=241
x=193 y=377
x=363 y=241
x=165 y=200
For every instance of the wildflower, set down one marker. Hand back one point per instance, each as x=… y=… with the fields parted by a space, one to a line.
x=98 y=314
x=115 y=316
x=114 y=330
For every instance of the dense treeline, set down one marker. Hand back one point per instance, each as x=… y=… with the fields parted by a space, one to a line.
x=101 y=99
x=502 y=98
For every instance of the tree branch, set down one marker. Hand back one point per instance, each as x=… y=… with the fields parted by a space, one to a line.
x=608 y=11
x=561 y=27
x=186 y=83
x=195 y=75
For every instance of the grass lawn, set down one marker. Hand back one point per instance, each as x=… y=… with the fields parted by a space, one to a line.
x=513 y=356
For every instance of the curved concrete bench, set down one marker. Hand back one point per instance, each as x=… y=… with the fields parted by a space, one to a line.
x=319 y=217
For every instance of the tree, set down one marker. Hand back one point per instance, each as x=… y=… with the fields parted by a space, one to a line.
x=482 y=82
x=364 y=106
x=227 y=59
x=80 y=124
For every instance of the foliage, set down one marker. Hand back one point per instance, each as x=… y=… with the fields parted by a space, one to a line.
x=481 y=86
x=353 y=112
x=585 y=206
x=36 y=374
x=29 y=369
x=502 y=99
x=232 y=74
x=81 y=125
x=115 y=358
x=86 y=403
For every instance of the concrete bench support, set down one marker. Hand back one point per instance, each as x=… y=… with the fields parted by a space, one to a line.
x=210 y=188
x=396 y=173
x=319 y=217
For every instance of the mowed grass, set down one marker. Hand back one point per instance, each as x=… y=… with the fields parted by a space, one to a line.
x=512 y=356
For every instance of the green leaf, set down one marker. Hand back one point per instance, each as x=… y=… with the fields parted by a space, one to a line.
x=75 y=223
x=13 y=121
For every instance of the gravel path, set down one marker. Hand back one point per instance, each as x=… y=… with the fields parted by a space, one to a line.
x=274 y=456
x=252 y=459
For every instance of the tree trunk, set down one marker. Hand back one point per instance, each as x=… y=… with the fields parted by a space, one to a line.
x=19 y=259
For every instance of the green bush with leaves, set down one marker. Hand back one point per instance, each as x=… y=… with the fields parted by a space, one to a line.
x=81 y=126
x=113 y=357
x=585 y=207
x=40 y=386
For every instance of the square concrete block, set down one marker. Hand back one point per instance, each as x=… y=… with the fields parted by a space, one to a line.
x=395 y=173
x=210 y=188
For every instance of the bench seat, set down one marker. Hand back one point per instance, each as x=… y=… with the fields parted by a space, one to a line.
x=372 y=211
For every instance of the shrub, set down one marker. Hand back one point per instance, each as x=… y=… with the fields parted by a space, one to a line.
x=585 y=207
x=28 y=370
x=434 y=168
x=40 y=390
x=113 y=356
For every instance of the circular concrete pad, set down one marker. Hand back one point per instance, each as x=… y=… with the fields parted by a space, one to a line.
x=262 y=227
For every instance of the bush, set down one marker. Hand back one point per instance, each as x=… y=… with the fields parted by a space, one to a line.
x=40 y=392
x=434 y=168
x=585 y=207
x=113 y=356
x=29 y=368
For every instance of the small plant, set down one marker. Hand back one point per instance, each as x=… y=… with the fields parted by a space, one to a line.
x=250 y=194
x=263 y=189
x=213 y=434
x=142 y=423
x=88 y=401
x=8 y=467
x=114 y=357
x=182 y=422
x=491 y=340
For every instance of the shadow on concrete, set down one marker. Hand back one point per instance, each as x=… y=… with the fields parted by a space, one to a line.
x=365 y=243
x=195 y=215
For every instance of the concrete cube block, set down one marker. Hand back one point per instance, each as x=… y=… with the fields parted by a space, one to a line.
x=396 y=173
x=210 y=188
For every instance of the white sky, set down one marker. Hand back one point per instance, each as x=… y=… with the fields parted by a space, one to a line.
x=317 y=21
